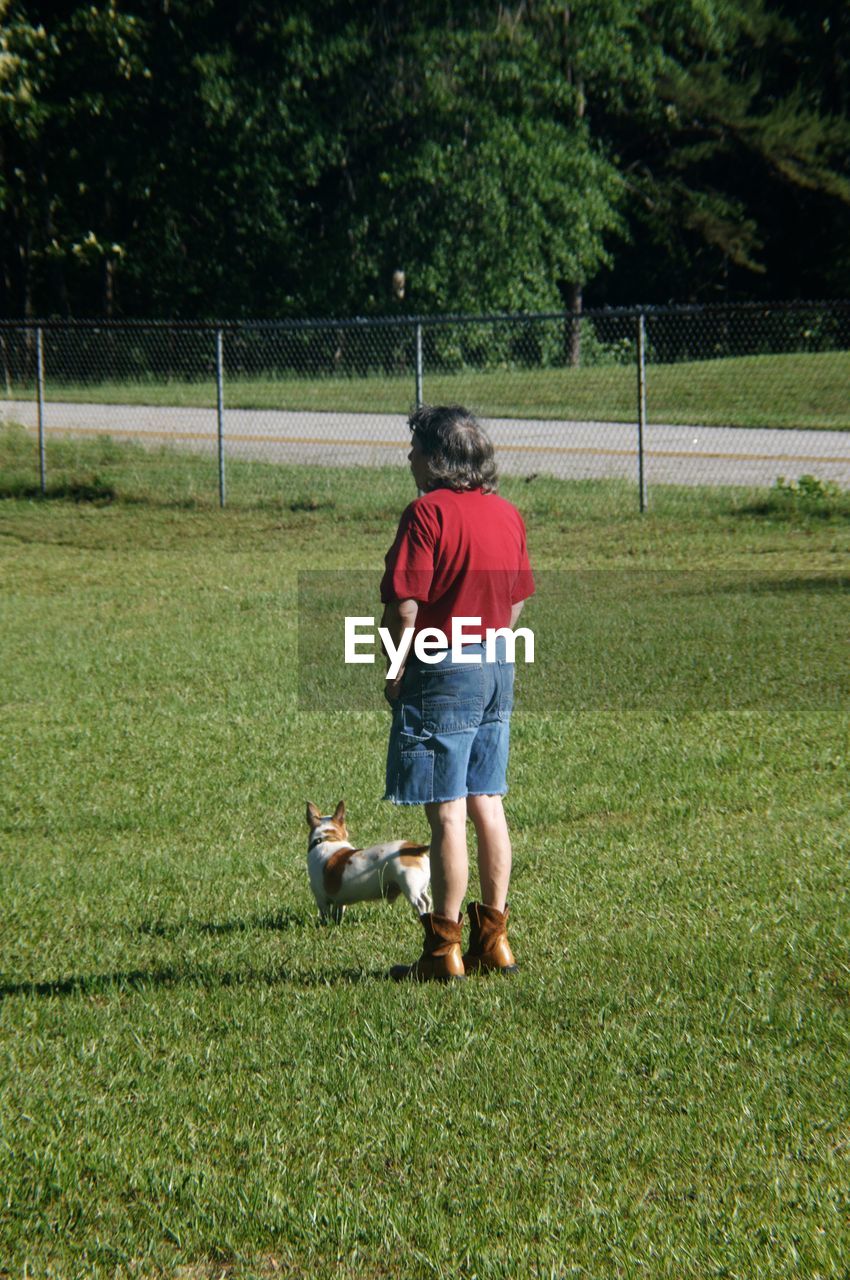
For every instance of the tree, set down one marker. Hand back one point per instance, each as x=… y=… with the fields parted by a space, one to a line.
x=473 y=170
x=67 y=151
x=719 y=145
x=185 y=158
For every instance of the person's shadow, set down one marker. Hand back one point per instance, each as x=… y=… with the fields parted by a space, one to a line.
x=177 y=975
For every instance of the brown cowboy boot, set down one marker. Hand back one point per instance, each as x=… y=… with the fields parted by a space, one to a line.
x=441 y=959
x=489 y=950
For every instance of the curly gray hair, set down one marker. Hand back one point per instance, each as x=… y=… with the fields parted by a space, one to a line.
x=456 y=447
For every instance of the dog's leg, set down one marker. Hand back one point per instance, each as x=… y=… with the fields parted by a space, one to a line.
x=337 y=913
x=390 y=887
x=322 y=904
x=418 y=897
x=421 y=904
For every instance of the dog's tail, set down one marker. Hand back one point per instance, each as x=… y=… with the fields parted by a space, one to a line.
x=412 y=850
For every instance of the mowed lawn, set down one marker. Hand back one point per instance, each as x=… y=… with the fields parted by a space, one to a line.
x=797 y=390
x=197 y=1080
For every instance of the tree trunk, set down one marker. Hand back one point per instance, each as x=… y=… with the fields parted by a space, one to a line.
x=573 y=327
x=108 y=261
x=109 y=287
x=26 y=277
x=574 y=289
x=57 y=289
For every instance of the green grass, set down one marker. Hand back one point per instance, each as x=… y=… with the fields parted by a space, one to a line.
x=196 y=1080
x=801 y=390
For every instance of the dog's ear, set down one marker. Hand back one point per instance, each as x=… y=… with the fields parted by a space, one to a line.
x=339 y=812
x=313 y=815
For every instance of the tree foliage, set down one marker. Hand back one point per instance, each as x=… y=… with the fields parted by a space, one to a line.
x=191 y=158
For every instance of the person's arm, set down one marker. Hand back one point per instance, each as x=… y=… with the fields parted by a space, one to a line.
x=516 y=610
x=397 y=617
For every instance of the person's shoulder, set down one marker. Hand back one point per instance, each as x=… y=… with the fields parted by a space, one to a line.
x=425 y=503
x=433 y=505
x=502 y=505
x=421 y=511
x=439 y=497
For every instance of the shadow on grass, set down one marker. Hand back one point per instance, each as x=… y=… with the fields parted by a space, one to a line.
x=168 y=976
x=778 y=507
x=94 y=490
x=276 y=920
x=102 y=493
x=745 y=582
x=98 y=492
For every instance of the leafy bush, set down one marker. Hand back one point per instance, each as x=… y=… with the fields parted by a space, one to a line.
x=808 y=490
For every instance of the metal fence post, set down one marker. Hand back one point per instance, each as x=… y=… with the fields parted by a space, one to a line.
x=219 y=386
x=641 y=372
x=39 y=378
x=418 y=364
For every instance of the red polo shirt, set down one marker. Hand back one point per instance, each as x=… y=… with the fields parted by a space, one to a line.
x=459 y=554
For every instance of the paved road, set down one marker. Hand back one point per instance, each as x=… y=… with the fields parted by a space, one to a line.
x=571 y=450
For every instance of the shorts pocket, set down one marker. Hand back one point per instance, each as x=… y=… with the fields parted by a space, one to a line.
x=452 y=699
x=415 y=777
x=410 y=726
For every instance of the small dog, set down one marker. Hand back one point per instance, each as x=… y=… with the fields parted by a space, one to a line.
x=340 y=874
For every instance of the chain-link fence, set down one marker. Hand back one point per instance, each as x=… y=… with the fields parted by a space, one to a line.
x=255 y=413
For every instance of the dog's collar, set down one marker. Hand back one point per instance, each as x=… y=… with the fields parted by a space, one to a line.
x=320 y=837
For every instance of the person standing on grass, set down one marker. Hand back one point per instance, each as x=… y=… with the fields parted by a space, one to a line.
x=460 y=552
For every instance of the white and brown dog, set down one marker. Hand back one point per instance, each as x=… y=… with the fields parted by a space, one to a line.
x=340 y=874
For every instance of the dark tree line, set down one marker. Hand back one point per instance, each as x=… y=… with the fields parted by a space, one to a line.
x=195 y=158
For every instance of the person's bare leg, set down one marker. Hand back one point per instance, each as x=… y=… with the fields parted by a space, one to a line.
x=442 y=958
x=494 y=848
x=449 y=861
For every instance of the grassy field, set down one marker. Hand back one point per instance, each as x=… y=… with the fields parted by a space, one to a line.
x=801 y=390
x=198 y=1081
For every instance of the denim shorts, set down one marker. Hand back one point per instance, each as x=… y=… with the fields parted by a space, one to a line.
x=451 y=730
